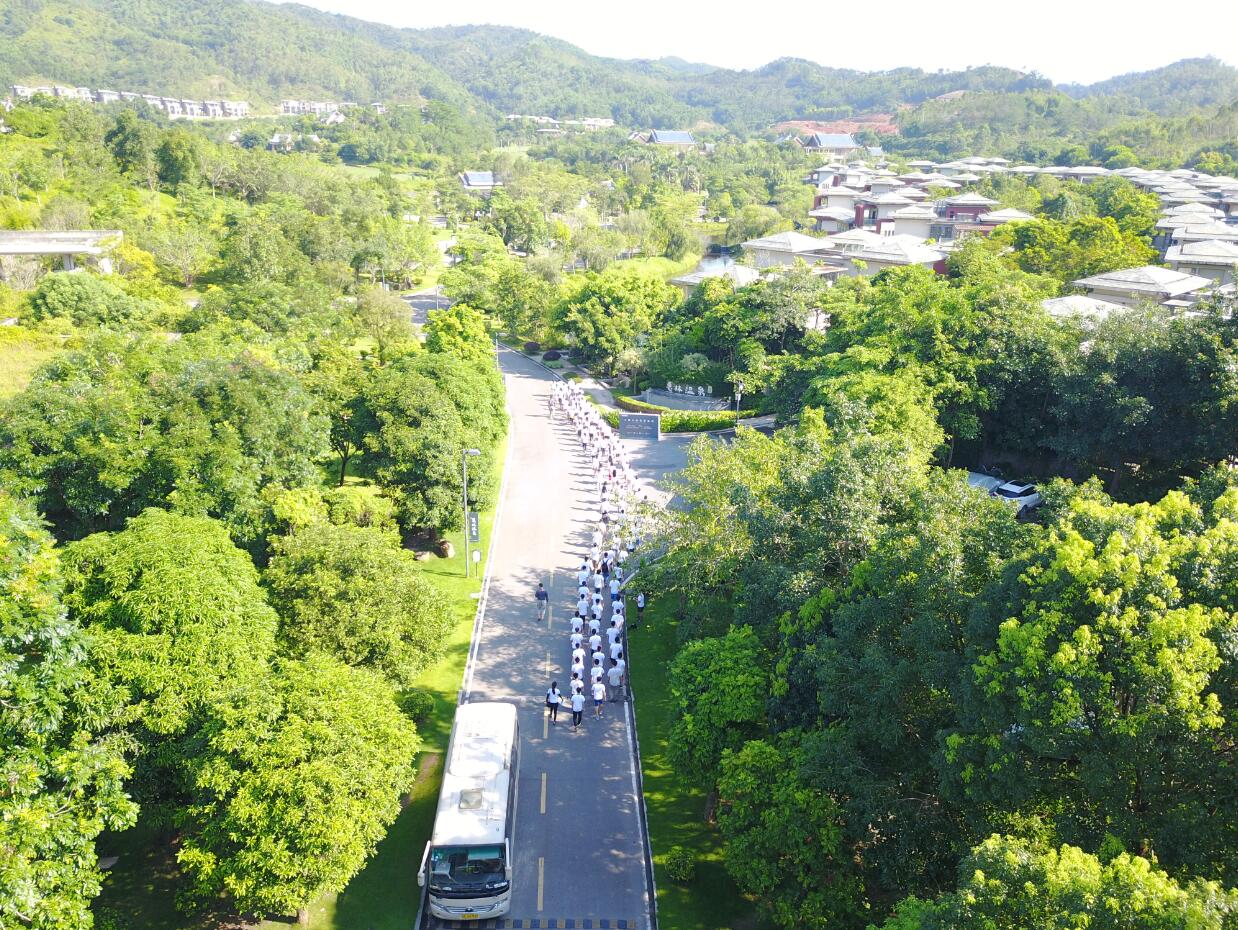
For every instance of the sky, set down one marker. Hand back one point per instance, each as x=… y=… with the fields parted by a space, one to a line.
x=1065 y=40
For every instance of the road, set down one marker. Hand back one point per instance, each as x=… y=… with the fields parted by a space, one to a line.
x=580 y=848
x=422 y=303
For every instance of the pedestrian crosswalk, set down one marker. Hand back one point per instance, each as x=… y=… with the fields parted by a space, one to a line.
x=540 y=923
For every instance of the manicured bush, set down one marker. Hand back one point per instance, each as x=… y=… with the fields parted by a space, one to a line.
x=532 y=347
x=552 y=356
x=416 y=705
x=683 y=421
x=680 y=865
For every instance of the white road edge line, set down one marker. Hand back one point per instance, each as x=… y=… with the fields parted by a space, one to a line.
x=479 y=619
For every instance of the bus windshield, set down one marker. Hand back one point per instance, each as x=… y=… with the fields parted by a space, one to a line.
x=460 y=868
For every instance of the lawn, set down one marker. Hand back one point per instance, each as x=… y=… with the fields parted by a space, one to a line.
x=140 y=893
x=21 y=352
x=676 y=809
x=658 y=266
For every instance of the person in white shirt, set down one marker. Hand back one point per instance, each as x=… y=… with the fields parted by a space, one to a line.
x=595 y=641
x=578 y=668
x=614 y=588
x=615 y=678
x=619 y=621
x=613 y=633
x=599 y=697
x=597 y=671
x=553 y=699
x=640 y=606
x=578 y=709
x=595 y=624
x=621 y=665
x=616 y=650
x=578 y=655
x=582 y=605
x=598 y=657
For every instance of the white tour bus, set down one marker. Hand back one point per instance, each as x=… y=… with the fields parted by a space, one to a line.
x=468 y=861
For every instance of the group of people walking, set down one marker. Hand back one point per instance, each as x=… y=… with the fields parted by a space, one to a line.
x=598 y=640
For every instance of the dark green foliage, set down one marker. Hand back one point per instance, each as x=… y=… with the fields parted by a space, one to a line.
x=417 y=415
x=680 y=865
x=354 y=594
x=83 y=300
x=122 y=424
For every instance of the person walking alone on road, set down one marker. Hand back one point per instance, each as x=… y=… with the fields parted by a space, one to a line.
x=599 y=697
x=543 y=601
x=578 y=709
x=553 y=699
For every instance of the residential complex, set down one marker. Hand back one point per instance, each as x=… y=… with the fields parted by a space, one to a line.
x=870 y=218
x=175 y=107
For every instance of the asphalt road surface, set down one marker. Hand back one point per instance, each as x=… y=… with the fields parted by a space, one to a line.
x=579 y=844
x=422 y=303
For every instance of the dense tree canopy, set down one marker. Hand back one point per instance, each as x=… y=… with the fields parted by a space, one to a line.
x=62 y=766
x=294 y=787
x=352 y=592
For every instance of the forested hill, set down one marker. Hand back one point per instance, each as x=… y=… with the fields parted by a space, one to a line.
x=228 y=48
x=1174 y=89
x=264 y=52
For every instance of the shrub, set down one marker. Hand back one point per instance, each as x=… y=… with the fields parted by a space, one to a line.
x=680 y=865
x=84 y=299
x=416 y=705
x=552 y=356
x=532 y=348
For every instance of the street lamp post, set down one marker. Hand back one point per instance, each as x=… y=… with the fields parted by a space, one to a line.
x=464 y=468
x=739 y=394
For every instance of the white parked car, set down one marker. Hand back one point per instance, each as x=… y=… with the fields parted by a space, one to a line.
x=1023 y=496
x=983 y=482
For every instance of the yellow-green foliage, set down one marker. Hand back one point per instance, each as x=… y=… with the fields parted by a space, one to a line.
x=21 y=352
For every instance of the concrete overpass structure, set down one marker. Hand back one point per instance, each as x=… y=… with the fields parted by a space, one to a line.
x=70 y=245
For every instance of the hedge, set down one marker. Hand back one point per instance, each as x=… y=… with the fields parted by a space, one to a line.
x=675 y=421
x=683 y=421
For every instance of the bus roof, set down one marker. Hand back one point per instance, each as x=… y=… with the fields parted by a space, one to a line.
x=472 y=805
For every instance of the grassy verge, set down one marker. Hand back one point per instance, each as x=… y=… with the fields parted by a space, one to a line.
x=676 y=809
x=21 y=352
x=140 y=893
x=658 y=266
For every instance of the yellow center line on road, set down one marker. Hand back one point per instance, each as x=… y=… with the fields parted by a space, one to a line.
x=541 y=875
x=543 y=792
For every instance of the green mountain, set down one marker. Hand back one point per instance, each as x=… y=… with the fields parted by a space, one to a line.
x=264 y=52
x=259 y=51
x=1174 y=89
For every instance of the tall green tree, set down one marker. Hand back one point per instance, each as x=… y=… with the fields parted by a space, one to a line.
x=63 y=771
x=1011 y=884
x=603 y=314
x=355 y=594
x=784 y=844
x=719 y=689
x=1098 y=684
x=294 y=788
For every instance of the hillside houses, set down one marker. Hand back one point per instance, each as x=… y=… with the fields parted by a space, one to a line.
x=174 y=107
